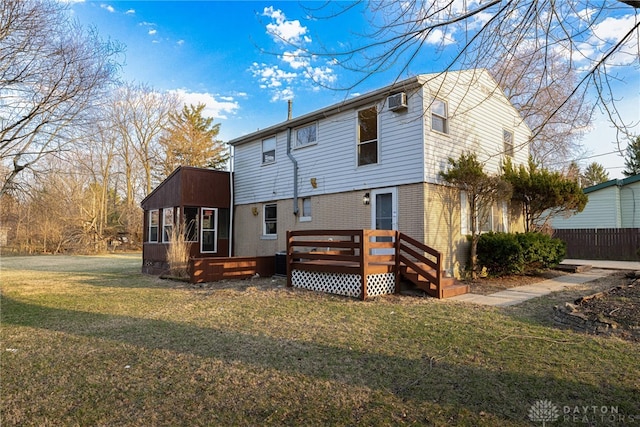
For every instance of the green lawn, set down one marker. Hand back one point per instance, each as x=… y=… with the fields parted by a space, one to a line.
x=91 y=341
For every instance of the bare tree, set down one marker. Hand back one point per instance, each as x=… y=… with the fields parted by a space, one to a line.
x=140 y=114
x=52 y=73
x=559 y=49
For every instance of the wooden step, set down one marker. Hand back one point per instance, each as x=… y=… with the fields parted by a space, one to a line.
x=449 y=286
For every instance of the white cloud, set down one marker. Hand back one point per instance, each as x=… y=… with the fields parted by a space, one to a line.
x=130 y=12
x=439 y=37
x=217 y=107
x=152 y=32
x=323 y=75
x=284 y=31
x=296 y=59
x=271 y=76
x=107 y=7
x=180 y=42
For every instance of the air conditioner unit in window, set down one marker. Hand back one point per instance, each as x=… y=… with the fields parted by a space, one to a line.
x=397 y=102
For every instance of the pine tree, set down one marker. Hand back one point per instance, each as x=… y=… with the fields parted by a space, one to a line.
x=190 y=140
x=594 y=174
x=632 y=159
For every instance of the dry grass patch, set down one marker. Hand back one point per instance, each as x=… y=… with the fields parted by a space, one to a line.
x=129 y=349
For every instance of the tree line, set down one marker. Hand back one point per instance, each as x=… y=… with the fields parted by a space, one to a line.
x=79 y=149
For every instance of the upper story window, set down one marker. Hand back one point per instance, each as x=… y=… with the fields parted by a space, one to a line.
x=507 y=139
x=269 y=150
x=307 y=135
x=439 y=116
x=153 y=226
x=368 y=136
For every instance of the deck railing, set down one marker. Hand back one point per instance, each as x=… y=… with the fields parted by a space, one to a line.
x=361 y=252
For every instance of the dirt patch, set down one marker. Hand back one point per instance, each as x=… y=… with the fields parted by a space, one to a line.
x=491 y=285
x=614 y=311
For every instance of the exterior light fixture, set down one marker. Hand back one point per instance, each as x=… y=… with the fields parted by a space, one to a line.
x=366 y=199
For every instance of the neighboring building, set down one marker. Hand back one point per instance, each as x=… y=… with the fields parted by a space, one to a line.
x=374 y=161
x=200 y=200
x=612 y=204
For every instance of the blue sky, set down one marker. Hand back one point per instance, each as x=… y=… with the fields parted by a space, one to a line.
x=225 y=54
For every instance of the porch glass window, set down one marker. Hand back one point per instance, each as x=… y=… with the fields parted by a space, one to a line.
x=439 y=118
x=269 y=150
x=153 y=226
x=270 y=220
x=191 y=224
x=208 y=233
x=167 y=224
x=368 y=136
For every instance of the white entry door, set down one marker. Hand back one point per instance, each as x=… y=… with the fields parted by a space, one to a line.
x=384 y=213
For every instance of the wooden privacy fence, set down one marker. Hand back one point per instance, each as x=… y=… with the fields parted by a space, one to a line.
x=618 y=244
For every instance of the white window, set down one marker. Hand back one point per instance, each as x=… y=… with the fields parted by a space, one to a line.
x=209 y=230
x=439 y=117
x=307 y=135
x=368 y=136
x=167 y=224
x=270 y=216
x=269 y=150
x=489 y=218
x=507 y=139
x=153 y=226
x=306 y=209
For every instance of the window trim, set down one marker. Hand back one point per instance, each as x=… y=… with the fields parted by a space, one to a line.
x=445 y=118
x=303 y=217
x=215 y=230
x=295 y=141
x=275 y=146
x=509 y=151
x=151 y=226
x=264 y=221
x=375 y=141
x=166 y=235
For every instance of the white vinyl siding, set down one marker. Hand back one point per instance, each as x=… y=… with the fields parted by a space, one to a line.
x=333 y=161
x=408 y=151
x=476 y=120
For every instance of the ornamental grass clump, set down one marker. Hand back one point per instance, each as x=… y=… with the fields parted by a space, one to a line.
x=178 y=251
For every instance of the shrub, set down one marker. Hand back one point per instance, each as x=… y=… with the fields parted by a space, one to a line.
x=540 y=251
x=500 y=253
x=509 y=253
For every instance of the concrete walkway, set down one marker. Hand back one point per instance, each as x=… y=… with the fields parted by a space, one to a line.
x=520 y=294
x=609 y=265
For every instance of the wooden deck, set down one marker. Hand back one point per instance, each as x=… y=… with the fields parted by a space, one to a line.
x=364 y=263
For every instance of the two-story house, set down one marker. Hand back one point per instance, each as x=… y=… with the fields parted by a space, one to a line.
x=373 y=161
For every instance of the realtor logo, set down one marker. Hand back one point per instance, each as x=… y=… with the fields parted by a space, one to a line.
x=543 y=411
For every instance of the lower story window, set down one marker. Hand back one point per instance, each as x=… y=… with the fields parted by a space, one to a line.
x=153 y=226
x=270 y=220
x=208 y=232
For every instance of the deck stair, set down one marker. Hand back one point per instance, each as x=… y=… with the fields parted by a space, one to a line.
x=449 y=286
x=364 y=263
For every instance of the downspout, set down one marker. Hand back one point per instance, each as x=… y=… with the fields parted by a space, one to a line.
x=233 y=204
x=295 y=164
